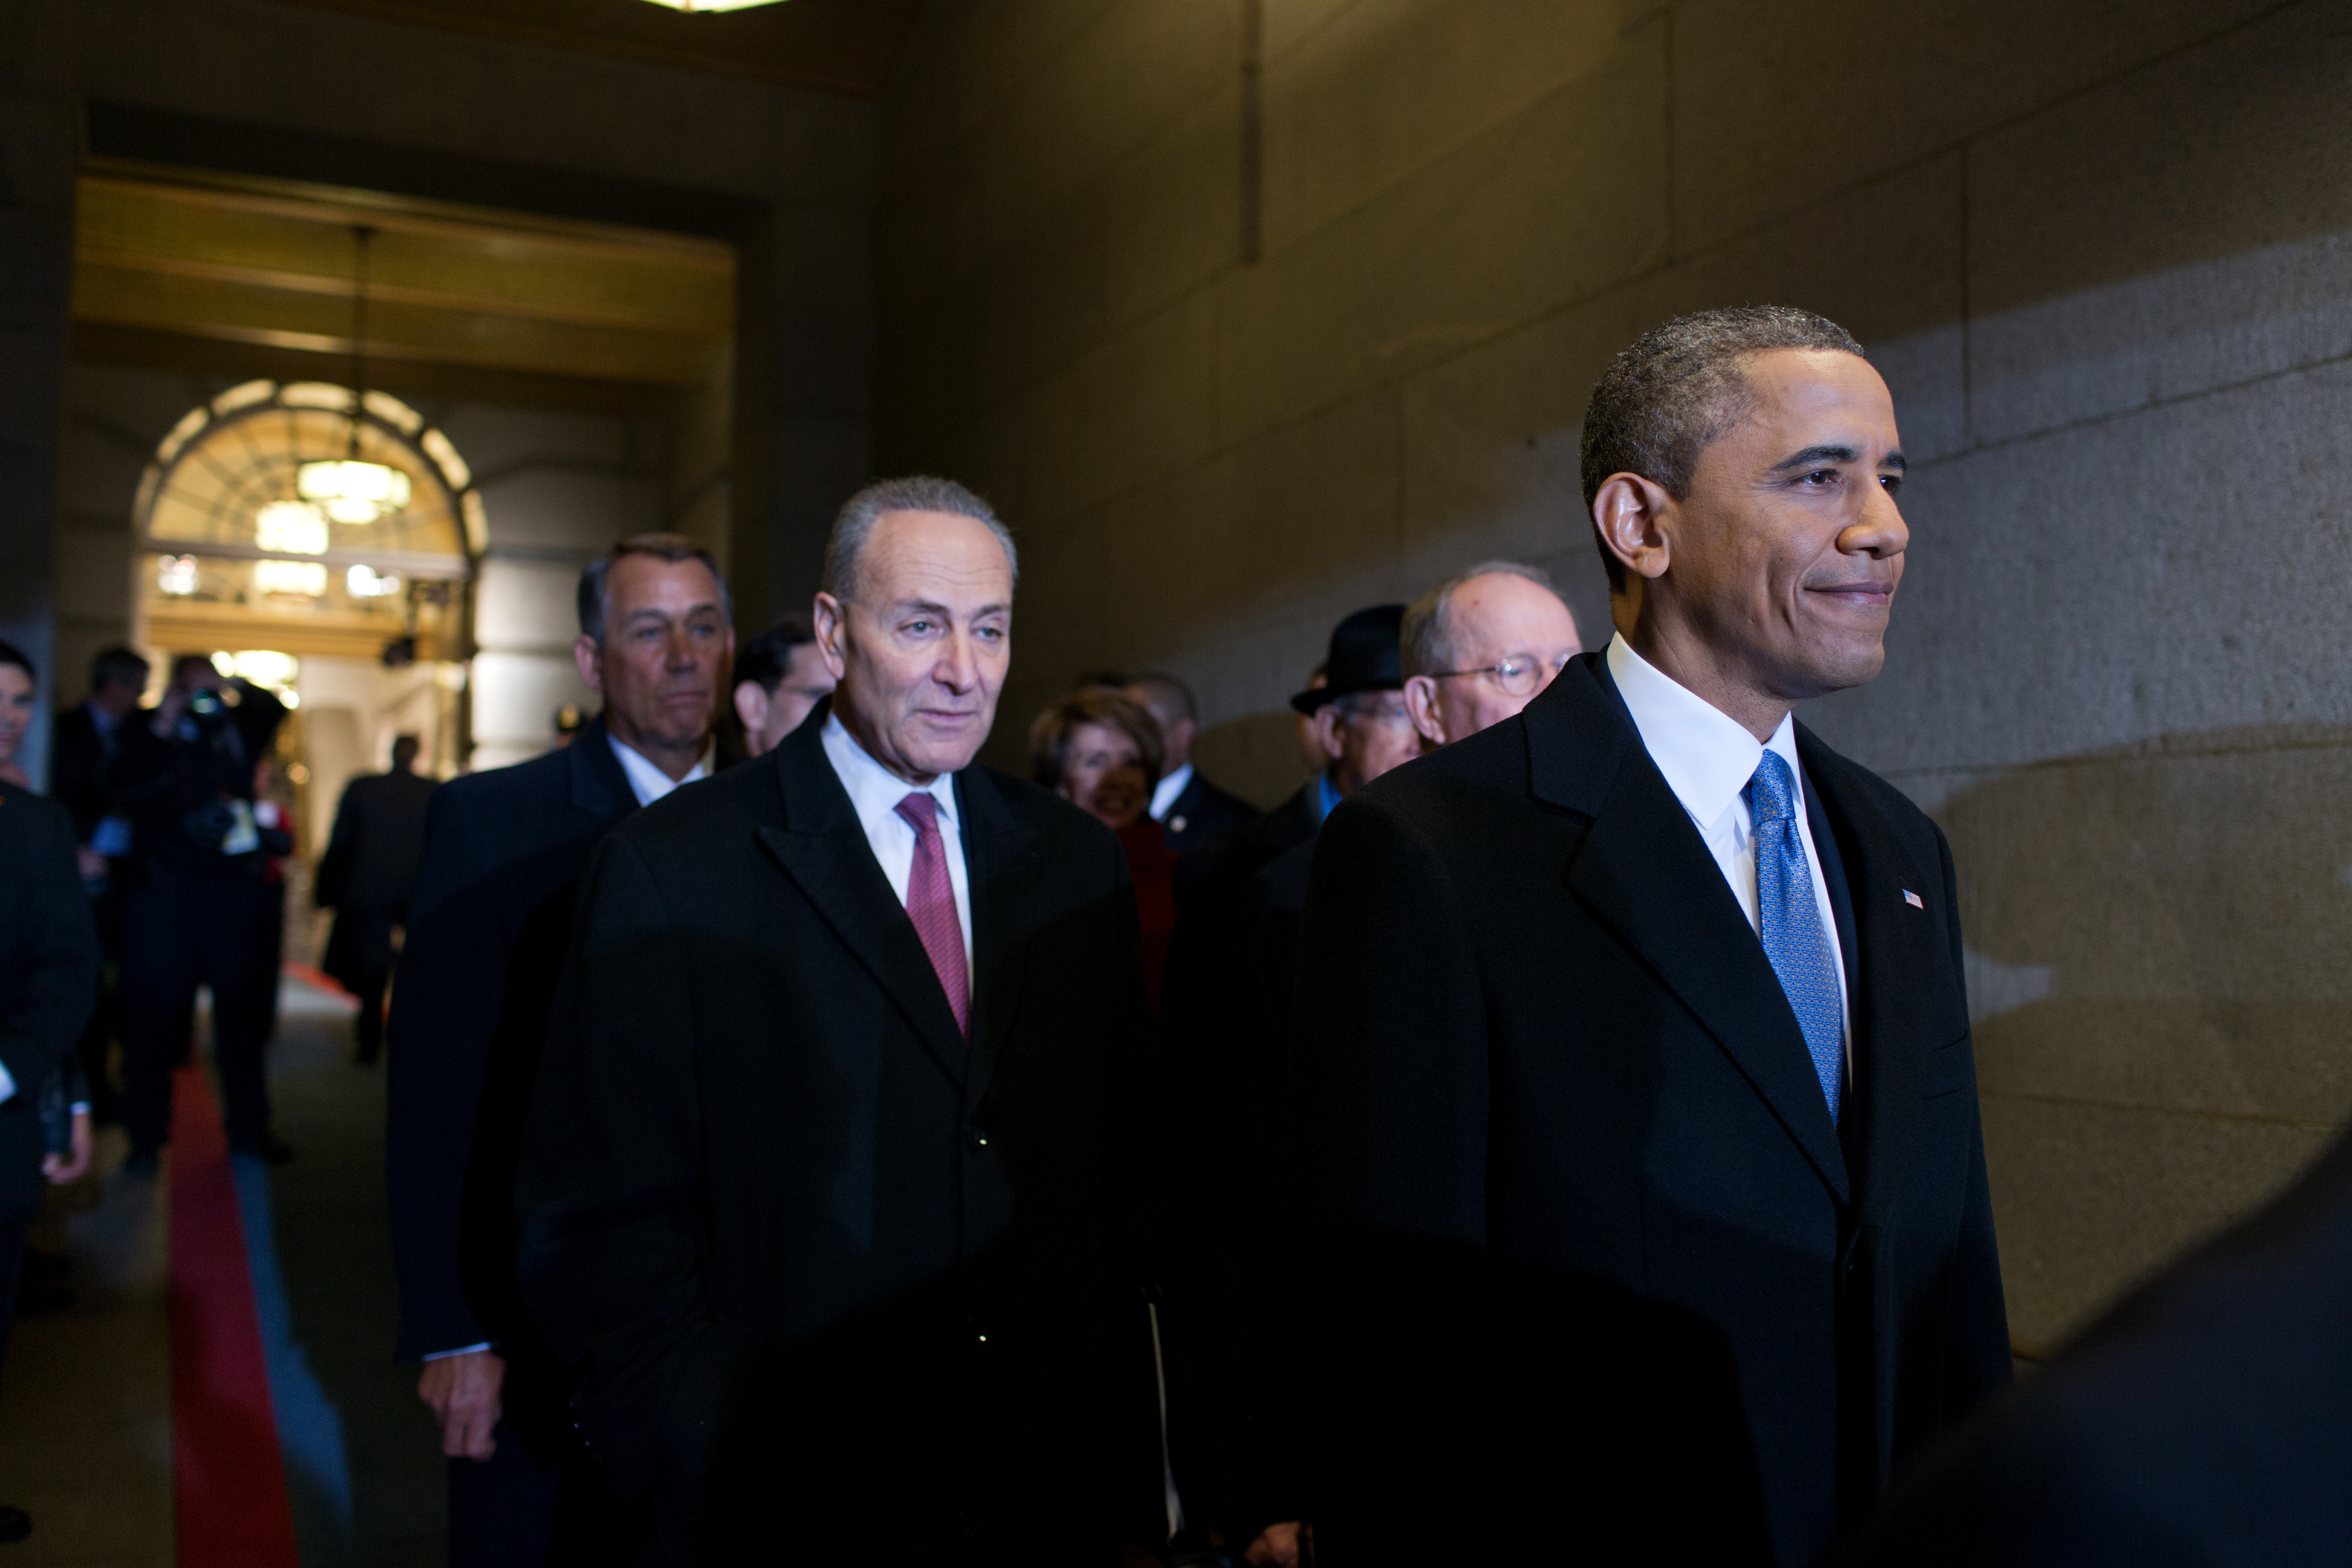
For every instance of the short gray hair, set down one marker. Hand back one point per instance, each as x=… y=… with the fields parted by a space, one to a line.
x=1175 y=694
x=595 y=596
x=916 y=493
x=1427 y=634
x=1678 y=387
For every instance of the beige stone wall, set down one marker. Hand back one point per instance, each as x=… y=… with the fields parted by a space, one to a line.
x=2099 y=251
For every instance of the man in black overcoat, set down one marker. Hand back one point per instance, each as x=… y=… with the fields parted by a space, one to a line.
x=367 y=877
x=1639 y=1180
x=82 y=740
x=2206 y=1419
x=825 y=1168
x=489 y=925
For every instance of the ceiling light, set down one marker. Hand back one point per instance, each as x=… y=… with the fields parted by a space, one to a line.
x=295 y=527
x=713 y=4
x=351 y=491
x=366 y=582
x=303 y=579
x=177 y=574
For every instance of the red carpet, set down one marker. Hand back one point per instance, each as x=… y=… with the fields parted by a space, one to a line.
x=231 y=1484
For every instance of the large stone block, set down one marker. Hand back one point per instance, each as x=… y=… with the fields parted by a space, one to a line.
x=1137 y=407
x=1553 y=206
x=2090 y=1199
x=2166 y=235
x=542 y=506
x=94 y=574
x=1777 y=102
x=526 y=607
x=1386 y=85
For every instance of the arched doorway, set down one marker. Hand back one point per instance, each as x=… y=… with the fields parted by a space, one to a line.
x=325 y=546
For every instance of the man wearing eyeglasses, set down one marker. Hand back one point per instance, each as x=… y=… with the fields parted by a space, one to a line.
x=1480 y=645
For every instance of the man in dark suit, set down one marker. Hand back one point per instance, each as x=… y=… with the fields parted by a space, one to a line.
x=48 y=972
x=779 y=680
x=367 y=876
x=824 y=1173
x=82 y=740
x=1638 y=1175
x=1192 y=812
x=489 y=925
x=2207 y=1419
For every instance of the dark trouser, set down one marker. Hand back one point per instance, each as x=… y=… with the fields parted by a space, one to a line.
x=22 y=1144
x=179 y=932
x=105 y=1017
x=370 y=1022
x=511 y=1511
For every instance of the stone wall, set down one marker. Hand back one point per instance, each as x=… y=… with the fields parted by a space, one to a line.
x=1251 y=313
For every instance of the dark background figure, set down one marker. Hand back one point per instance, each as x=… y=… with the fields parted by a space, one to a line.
x=1101 y=751
x=1634 y=1125
x=82 y=740
x=1192 y=812
x=2204 y=1419
x=833 y=1138
x=49 y=974
x=488 y=925
x=367 y=876
x=197 y=902
x=780 y=677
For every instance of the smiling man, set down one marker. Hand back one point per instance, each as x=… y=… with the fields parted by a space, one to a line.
x=1637 y=1131
x=818 y=1188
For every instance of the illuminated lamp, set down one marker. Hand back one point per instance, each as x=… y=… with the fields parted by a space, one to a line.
x=351 y=491
x=692 y=6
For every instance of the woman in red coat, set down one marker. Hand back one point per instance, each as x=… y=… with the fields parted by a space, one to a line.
x=1102 y=751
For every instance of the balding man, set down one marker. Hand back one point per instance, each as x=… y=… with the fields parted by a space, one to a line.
x=818 y=1190
x=1479 y=646
x=1192 y=812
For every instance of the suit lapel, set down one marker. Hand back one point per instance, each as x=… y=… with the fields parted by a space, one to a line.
x=599 y=787
x=1897 y=961
x=1645 y=872
x=1001 y=861
x=823 y=849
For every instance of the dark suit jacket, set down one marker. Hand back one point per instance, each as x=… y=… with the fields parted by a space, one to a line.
x=77 y=761
x=2207 y=1419
x=488 y=925
x=48 y=948
x=1204 y=814
x=1588 y=1243
x=838 y=1281
x=369 y=871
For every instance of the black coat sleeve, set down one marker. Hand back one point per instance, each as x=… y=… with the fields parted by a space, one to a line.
x=332 y=885
x=606 y=1188
x=444 y=1012
x=56 y=969
x=1977 y=1359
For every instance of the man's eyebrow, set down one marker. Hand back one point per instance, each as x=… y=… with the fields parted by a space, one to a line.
x=663 y=615
x=1815 y=457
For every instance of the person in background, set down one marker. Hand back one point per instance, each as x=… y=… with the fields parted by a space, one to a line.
x=1193 y=813
x=833 y=1148
x=82 y=740
x=1480 y=645
x=488 y=921
x=1101 y=751
x=1310 y=726
x=49 y=974
x=366 y=877
x=196 y=904
x=1235 y=1096
x=780 y=677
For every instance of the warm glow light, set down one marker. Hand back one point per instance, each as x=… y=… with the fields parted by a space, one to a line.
x=176 y=573
x=366 y=582
x=305 y=577
x=351 y=491
x=713 y=4
x=297 y=528
x=266 y=667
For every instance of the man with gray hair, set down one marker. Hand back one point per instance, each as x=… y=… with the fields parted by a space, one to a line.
x=828 y=1150
x=487 y=923
x=1480 y=645
x=1635 y=1122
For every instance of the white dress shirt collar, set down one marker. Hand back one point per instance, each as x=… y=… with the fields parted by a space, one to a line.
x=874 y=794
x=648 y=782
x=1164 y=793
x=1707 y=755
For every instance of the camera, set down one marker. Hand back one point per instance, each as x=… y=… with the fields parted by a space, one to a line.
x=209 y=707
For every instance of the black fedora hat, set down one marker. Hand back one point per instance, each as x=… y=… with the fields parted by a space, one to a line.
x=1365 y=657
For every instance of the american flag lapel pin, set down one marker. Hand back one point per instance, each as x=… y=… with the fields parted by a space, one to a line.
x=1913 y=899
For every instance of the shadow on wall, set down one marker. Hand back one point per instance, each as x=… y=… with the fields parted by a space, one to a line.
x=1255 y=757
x=2159 y=971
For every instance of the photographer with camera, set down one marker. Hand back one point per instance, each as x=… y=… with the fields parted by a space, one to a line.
x=197 y=902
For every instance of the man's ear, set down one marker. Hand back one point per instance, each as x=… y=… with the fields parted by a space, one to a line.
x=1327 y=729
x=750 y=706
x=584 y=654
x=1421 y=701
x=830 y=623
x=1635 y=517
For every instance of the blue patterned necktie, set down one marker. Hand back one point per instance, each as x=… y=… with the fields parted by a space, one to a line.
x=1789 y=921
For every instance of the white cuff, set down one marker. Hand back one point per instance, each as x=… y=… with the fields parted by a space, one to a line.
x=461 y=1350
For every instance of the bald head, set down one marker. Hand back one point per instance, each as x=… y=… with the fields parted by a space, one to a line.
x=1480 y=648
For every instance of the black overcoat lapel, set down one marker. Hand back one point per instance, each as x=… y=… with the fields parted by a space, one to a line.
x=1645 y=872
x=600 y=787
x=1001 y=861
x=822 y=846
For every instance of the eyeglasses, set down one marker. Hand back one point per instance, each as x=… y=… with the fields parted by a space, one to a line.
x=1520 y=675
x=1391 y=715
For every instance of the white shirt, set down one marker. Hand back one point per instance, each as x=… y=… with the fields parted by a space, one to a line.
x=1707 y=759
x=1164 y=793
x=649 y=782
x=874 y=793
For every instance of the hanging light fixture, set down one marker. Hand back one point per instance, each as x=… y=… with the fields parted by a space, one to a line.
x=350 y=489
x=693 y=5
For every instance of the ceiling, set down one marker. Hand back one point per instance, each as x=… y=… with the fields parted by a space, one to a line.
x=845 y=47
x=248 y=277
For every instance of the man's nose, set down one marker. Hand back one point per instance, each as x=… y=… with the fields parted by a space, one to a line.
x=956 y=669
x=1880 y=532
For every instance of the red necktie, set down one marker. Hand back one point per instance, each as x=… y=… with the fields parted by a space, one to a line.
x=932 y=905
